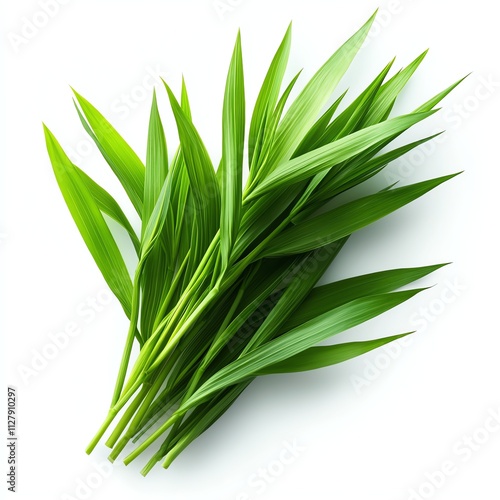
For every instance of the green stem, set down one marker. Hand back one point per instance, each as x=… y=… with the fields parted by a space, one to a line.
x=151 y=439
x=171 y=292
x=111 y=415
x=130 y=337
x=152 y=390
x=130 y=411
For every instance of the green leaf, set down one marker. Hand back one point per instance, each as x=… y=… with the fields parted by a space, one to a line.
x=90 y=223
x=305 y=277
x=297 y=340
x=158 y=217
x=156 y=163
x=186 y=107
x=271 y=126
x=322 y=356
x=344 y=220
x=312 y=163
x=431 y=103
x=204 y=186
x=156 y=274
x=360 y=170
x=108 y=205
x=267 y=282
x=326 y=297
x=315 y=133
x=388 y=93
x=126 y=165
x=233 y=140
x=268 y=97
x=350 y=118
x=304 y=111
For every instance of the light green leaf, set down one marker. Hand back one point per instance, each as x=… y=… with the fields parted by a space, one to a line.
x=389 y=92
x=312 y=163
x=267 y=98
x=90 y=223
x=120 y=157
x=311 y=139
x=322 y=356
x=344 y=220
x=108 y=205
x=297 y=340
x=304 y=111
x=233 y=140
x=156 y=163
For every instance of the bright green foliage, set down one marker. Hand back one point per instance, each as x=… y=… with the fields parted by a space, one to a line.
x=225 y=289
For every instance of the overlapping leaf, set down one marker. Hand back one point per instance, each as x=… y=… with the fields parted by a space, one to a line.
x=225 y=288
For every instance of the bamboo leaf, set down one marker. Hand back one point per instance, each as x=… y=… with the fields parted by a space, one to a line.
x=322 y=356
x=233 y=139
x=313 y=136
x=90 y=223
x=389 y=92
x=205 y=188
x=326 y=297
x=305 y=277
x=126 y=165
x=297 y=340
x=108 y=205
x=312 y=163
x=267 y=98
x=344 y=220
x=349 y=119
x=305 y=109
x=156 y=163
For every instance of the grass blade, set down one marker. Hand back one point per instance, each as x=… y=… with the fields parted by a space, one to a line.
x=90 y=223
x=312 y=163
x=233 y=139
x=323 y=356
x=126 y=165
x=108 y=205
x=267 y=98
x=344 y=220
x=304 y=111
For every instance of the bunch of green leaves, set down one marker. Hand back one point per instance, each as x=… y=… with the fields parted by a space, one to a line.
x=225 y=286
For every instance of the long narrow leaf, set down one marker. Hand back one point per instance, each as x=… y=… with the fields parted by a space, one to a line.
x=108 y=205
x=344 y=220
x=90 y=223
x=305 y=109
x=298 y=340
x=233 y=138
x=121 y=158
x=268 y=96
x=311 y=163
x=322 y=356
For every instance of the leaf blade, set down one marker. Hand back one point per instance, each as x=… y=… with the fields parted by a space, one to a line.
x=233 y=139
x=90 y=223
x=323 y=356
x=350 y=217
x=119 y=155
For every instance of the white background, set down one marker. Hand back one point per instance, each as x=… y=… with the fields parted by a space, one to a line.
x=374 y=428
